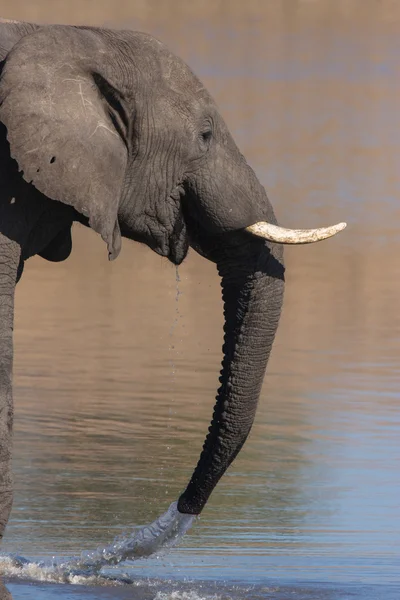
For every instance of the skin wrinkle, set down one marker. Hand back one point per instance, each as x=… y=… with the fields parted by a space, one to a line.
x=171 y=158
x=161 y=210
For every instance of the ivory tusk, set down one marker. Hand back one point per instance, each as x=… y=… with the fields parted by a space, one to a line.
x=280 y=235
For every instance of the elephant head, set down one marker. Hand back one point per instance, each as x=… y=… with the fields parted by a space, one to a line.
x=112 y=124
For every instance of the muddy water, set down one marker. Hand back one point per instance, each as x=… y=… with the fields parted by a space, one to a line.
x=115 y=378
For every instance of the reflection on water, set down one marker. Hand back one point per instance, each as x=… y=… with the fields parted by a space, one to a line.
x=114 y=390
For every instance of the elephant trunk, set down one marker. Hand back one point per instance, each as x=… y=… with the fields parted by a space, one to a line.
x=252 y=290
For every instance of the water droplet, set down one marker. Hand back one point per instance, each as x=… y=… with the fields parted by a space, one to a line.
x=175 y=322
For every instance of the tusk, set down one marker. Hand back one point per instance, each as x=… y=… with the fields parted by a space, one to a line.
x=280 y=235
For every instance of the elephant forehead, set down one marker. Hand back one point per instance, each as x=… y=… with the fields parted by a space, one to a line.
x=181 y=80
x=179 y=111
x=173 y=71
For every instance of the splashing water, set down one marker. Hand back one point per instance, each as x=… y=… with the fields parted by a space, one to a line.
x=165 y=532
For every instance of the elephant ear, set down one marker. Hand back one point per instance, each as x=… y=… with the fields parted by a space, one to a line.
x=60 y=125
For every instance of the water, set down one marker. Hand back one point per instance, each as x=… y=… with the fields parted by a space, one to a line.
x=151 y=540
x=110 y=419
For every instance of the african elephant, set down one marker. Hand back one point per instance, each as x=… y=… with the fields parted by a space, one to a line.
x=110 y=129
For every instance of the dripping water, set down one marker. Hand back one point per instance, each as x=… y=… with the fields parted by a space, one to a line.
x=174 y=325
x=172 y=346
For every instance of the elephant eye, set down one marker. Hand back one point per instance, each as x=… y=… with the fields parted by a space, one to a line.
x=206 y=136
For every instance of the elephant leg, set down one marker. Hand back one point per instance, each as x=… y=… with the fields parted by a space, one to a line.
x=9 y=265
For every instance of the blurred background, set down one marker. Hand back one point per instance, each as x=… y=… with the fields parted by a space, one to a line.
x=116 y=364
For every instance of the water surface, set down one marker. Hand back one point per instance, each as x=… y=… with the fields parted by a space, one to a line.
x=115 y=379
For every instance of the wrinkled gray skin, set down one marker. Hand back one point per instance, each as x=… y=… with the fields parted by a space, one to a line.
x=110 y=129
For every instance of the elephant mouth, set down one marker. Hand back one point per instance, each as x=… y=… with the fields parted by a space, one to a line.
x=171 y=240
x=178 y=244
x=178 y=239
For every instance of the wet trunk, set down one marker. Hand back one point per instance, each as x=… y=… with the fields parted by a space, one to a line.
x=9 y=261
x=252 y=289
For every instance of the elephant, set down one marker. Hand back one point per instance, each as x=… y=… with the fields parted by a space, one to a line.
x=110 y=129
